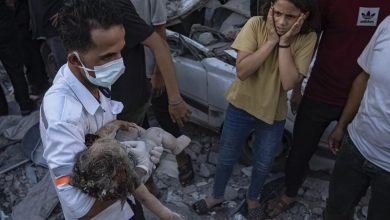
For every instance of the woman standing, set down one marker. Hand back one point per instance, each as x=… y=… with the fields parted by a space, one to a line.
x=274 y=53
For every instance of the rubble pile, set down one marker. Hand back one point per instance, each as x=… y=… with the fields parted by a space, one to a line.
x=16 y=183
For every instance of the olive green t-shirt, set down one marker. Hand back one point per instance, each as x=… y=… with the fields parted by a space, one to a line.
x=262 y=94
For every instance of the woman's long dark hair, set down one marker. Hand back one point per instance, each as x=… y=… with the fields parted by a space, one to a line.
x=312 y=23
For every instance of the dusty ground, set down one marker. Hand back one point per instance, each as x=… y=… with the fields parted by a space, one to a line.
x=14 y=185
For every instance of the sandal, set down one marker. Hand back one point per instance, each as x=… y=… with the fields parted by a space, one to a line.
x=277 y=206
x=201 y=208
x=186 y=172
x=256 y=213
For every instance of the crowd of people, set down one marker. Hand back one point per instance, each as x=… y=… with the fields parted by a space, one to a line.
x=115 y=64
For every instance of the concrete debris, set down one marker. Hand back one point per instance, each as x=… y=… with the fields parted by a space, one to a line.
x=15 y=185
x=206 y=38
x=247 y=171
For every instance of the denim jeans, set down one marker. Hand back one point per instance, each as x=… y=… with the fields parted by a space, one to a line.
x=352 y=176
x=237 y=127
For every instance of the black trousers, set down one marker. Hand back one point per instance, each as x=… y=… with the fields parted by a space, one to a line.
x=3 y=103
x=12 y=59
x=351 y=177
x=312 y=119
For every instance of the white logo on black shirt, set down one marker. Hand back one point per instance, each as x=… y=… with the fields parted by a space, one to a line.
x=367 y=16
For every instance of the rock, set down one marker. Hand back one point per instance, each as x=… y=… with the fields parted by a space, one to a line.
x=206 y=38
x=365 y=211
x=247 y=171
x=9 y=178
x=189 y=189
x=196 y=147
x=317 y=211
x=206 y=170
x=230 y=193
x=195 y=195
x=192 y=154
x=201 y=184
x=201 y=159
x=213 y=158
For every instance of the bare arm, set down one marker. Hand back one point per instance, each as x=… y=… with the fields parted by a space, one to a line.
x=249 y=63
x=177 y=107
x=355 y=97
x=296 y=96
x=289 y=75
x=157 y=80
x=351 y=108
x=152 y=203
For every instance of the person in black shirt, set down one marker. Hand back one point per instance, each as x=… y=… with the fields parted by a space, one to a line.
x=133 y=87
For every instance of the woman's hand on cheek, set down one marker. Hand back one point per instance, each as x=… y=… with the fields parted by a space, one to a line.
x=286 y=38
x=272 y=35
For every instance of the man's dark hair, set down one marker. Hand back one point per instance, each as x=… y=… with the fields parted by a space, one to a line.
x=312 y=23
x=79 y=17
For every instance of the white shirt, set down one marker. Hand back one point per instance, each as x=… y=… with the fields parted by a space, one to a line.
x=70 y=112
x=370 y=129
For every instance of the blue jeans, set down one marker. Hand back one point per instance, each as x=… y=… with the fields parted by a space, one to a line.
x=237 y=127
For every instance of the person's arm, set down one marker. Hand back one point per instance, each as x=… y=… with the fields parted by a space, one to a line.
x=296 y=96
x=157 y=79
x=289 y=74
x=178 y=109
x=153 y=204
x=248 y=63
x=351 y=108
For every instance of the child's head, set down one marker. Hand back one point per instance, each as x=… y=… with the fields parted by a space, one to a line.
x=104 y=171
x=286 y=13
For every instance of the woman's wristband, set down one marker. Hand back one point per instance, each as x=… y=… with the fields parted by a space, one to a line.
x=283 y=46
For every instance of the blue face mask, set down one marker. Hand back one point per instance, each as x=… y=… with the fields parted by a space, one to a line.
x=106 y=74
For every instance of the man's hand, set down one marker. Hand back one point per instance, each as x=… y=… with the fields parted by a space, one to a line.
x=272 y=35
x=179 y=112
x=286 y=38
x=335 y=139
x=295 y=101
x=158 y=85
x=141 y=155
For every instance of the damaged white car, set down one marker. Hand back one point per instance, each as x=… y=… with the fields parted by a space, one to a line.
x=200 y=34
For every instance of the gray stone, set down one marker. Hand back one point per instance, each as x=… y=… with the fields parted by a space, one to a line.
x=206 y=170
x=192 y=154
x=195 y=195
x=9 y=178
x=213 y=158
x=201 y=159
x=196 y=147
x=247 y=171
x=365 y=211
x=189 y=189
x=230 y=193
x=317 y=211
x=201 y=184
x=206 y=38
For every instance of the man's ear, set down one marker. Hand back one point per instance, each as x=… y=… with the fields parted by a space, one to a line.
x=73 y=60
